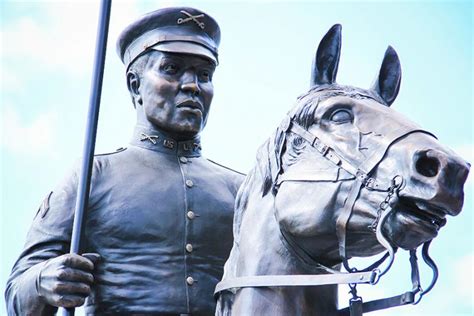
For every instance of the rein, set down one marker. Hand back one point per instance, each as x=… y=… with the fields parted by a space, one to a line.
x=353 y=276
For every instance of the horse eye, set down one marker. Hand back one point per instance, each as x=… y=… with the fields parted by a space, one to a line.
x=341 y=116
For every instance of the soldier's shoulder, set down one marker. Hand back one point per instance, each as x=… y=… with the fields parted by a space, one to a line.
x=118 y=150
x=114 y=158
x=225 y=168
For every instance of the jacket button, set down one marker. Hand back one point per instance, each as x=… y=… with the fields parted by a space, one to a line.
x=189 y=248
x=183 y=159
x=189 y=183
x=190 y=280
x=190 y=215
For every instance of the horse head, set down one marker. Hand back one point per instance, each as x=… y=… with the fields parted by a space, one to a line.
x=343 y=137
x=344 y=175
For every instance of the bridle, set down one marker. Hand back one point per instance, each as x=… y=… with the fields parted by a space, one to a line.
x=372 y=274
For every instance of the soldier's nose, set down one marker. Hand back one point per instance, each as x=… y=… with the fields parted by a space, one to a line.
x=189 y=84
x=191 y=87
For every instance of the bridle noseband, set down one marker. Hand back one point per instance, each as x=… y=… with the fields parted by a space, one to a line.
x=362 y=179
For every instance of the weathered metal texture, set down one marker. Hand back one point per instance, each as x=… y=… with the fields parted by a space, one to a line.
x=159 y=217
x=321 y=191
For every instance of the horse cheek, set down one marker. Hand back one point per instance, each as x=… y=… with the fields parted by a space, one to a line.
x=306 y=208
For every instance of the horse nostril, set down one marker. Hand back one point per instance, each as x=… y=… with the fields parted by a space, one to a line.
x=427 y=166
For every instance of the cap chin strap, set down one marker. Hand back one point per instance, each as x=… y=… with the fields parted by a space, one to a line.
x=371 y=274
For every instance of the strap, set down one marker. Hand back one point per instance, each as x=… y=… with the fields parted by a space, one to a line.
x=303 y=254
x=323 y=149
x=295 y=280
x=343 y=219
x=368 y=164
x=372 y=161
x=356 y=307
x=403 y=299
x=399 y=300
x=377 y=263
x=311 y=176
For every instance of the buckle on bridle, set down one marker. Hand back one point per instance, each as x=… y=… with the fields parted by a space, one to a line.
x=362 y=176
x=320 y=146
x=331 y=156
x=375 y=277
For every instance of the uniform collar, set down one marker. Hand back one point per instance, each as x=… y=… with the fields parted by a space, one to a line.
x=155 y=140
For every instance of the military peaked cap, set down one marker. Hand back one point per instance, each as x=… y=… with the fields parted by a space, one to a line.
x=179 y=29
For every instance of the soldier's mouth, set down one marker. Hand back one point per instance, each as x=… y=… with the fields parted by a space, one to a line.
x=191 y=104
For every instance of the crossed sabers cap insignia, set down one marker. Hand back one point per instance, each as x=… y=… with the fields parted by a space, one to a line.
x=191 y=17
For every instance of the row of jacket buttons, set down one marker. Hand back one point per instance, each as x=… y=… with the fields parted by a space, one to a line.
x=190 y=215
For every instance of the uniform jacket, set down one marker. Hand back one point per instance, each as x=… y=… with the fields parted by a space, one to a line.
x=159 y=214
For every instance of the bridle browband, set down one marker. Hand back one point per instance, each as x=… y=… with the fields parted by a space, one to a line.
x=362 y=179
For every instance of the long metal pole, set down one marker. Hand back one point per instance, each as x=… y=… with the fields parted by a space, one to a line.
x=91 y=132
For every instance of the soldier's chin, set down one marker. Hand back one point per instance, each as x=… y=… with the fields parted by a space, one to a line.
x=407 y=231
x=189 y=128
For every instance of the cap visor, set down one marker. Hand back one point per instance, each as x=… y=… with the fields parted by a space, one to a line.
x=185 y=48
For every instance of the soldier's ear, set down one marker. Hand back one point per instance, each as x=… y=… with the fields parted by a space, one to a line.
x=133 y=85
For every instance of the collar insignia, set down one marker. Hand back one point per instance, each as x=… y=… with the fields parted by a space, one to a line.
x=151 y=138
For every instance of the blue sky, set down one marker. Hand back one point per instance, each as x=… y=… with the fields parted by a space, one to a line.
x=265 y=59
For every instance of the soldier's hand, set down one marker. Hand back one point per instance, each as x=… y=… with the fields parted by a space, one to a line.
x=65 y=281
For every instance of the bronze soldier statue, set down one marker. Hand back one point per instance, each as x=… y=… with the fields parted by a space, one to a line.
x=159 y=221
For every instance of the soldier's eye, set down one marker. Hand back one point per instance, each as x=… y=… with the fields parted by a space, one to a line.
x=170 y=68
x=205 y=76
x=341 y=116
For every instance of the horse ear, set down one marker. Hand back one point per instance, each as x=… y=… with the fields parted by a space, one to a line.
x=327 y=56
x=387 y=84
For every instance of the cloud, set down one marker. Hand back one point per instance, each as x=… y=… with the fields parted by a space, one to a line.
x=9 y=80
x=62 y=35
x=36 y=138
x=464 y=276
x=466 y=151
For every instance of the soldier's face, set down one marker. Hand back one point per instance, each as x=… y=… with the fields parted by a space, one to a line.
x=176 y=92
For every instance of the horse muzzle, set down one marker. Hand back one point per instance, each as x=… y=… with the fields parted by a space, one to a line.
x=437 y=182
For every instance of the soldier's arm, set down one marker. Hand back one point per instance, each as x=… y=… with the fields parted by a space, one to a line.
x=36 y=284
x=21 y=294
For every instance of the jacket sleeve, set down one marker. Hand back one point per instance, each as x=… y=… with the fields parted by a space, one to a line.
x=49 y=236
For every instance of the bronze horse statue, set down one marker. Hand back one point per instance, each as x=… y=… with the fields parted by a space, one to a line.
x=343 y=176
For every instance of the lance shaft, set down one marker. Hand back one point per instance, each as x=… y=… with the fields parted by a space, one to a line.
x=91 y=132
